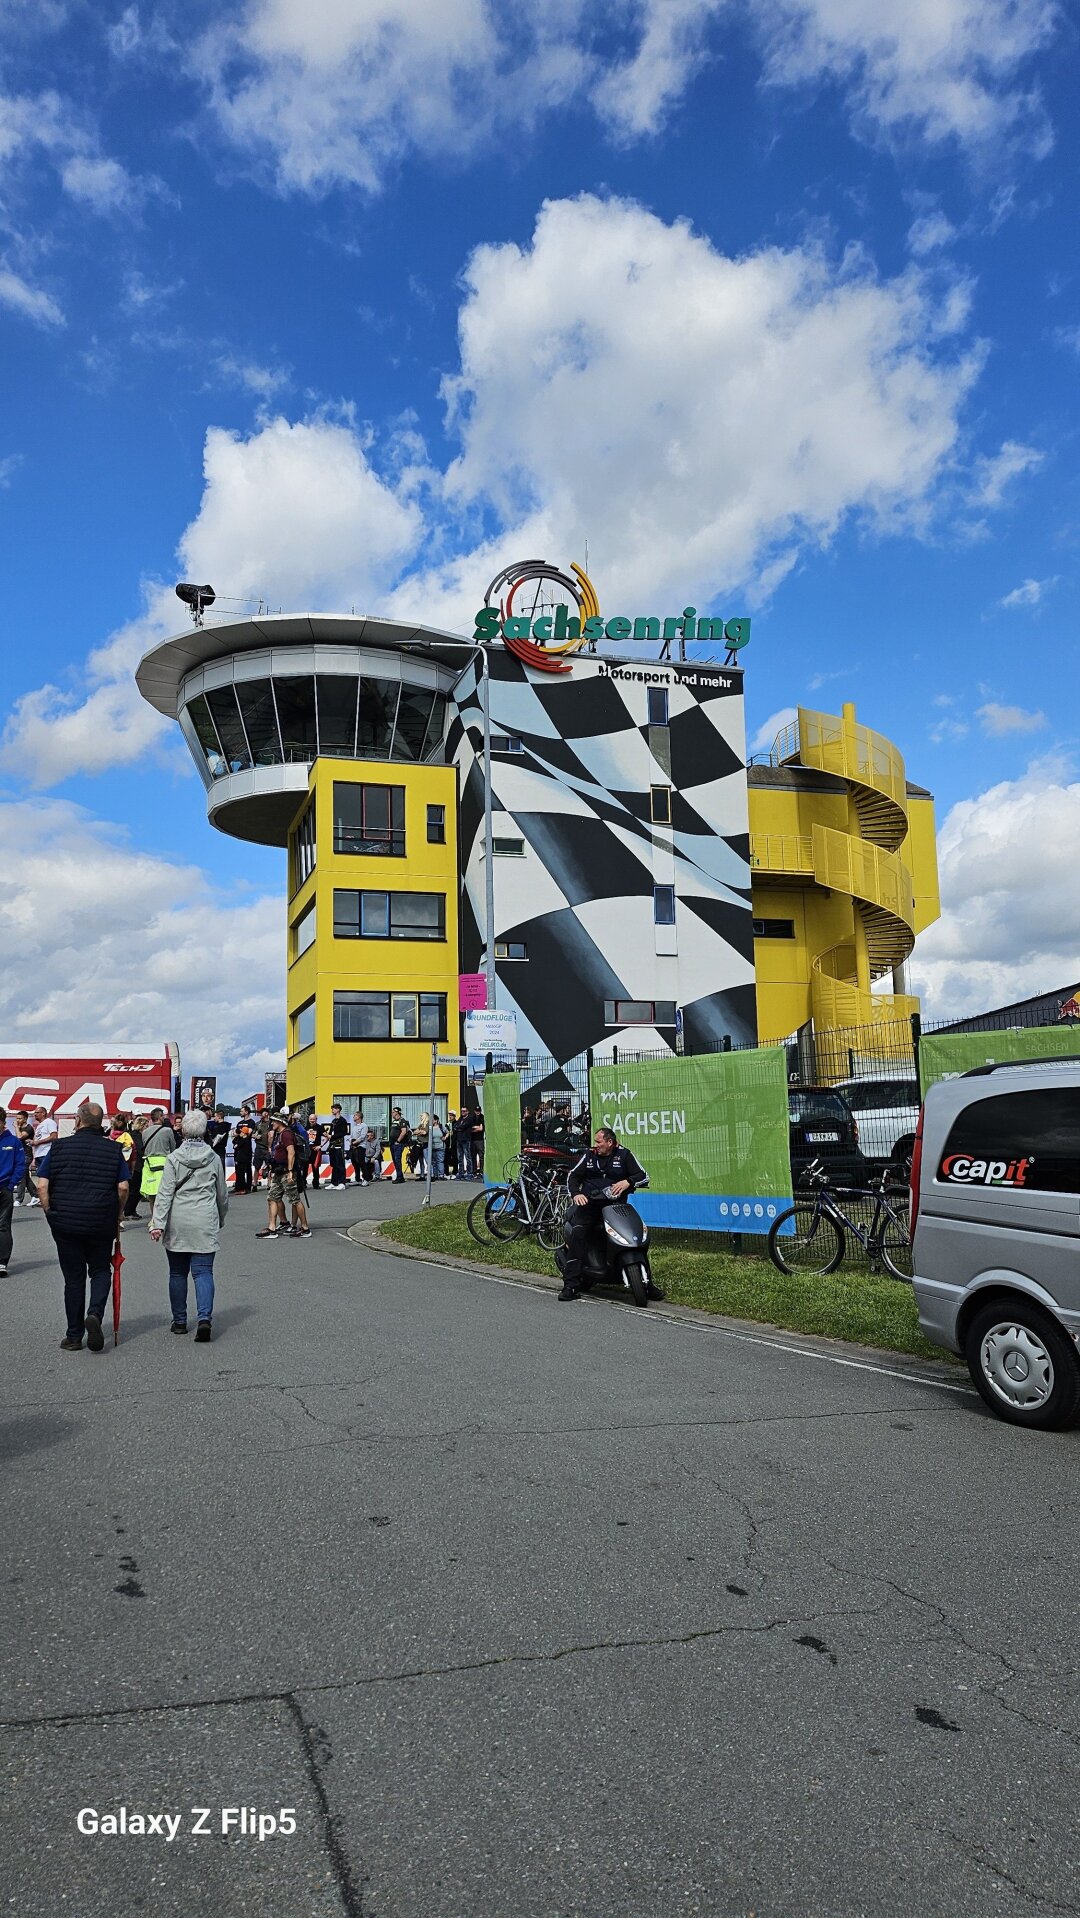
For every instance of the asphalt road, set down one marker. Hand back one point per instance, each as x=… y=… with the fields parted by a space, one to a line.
x=525 y=1610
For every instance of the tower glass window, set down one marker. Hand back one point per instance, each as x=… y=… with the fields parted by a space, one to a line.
x=295 y=697
x=658 y=705
x=337 y=715
x=436 y=825
x=255 y=698
x=664 y=905
x=660 y=805
x=230 y=727
x=375 y=727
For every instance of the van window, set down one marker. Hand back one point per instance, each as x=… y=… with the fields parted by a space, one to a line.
x=1022 y=1141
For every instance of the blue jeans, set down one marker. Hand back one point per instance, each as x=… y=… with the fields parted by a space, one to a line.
x=438 y=1162
x=200 y=1267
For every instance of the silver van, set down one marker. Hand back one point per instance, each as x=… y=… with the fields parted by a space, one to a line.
x=995 y=1200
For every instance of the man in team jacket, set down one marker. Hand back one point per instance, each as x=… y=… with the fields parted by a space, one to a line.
x=605 y=1173
x=83 y=1184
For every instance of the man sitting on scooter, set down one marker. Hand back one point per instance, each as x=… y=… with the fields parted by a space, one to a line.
x=604 y=1174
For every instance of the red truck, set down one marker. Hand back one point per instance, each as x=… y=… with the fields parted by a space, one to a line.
x=60 y=1077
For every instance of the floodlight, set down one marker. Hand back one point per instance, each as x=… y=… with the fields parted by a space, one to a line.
x=196 y=598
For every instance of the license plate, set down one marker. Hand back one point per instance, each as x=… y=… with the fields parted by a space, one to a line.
x=819 y=1138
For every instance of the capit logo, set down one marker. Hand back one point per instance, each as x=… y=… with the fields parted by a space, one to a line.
x=959 y=1168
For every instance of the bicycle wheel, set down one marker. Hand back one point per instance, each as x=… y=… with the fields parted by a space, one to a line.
x=896 y=1245
x=549 y=1227
x=815 y=1245
x=476 y=1218
x=504 y=1215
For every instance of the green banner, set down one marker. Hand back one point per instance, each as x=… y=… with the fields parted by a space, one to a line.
x=500 y=1096
x=944 y=1055
x=711 y=1132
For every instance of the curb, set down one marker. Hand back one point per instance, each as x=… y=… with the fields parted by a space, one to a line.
x=366 y=1233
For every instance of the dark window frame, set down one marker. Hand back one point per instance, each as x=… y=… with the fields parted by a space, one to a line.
x=436 y=825
x=430 y=1016
x=370 y=841
x=302 y=1044
x=302 y=848
x=661 y=895
x=662 y=818
x=770 y=928
x=658 y=701
x=362 y=893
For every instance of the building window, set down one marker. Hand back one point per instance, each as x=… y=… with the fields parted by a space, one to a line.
x=658 y=705
x=663 y=905
x=389 y=915
x=369 y=819
x=508 y=848
x=774 y=928
x=511 y=949
x=639 y=1012
x=506 y=743
x=436 y=825
x=304 y=931
x=389 y=1015
x=303 y=847
x=660 y=805
x=304 y=1025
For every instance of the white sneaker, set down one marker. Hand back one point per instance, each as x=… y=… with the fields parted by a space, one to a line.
x=34 y=1202
x=3 y=1271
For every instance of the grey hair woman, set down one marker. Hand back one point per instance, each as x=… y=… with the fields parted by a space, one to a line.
x=189 y=1212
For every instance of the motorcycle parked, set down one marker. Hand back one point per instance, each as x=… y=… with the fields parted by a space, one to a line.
x=621 y=1257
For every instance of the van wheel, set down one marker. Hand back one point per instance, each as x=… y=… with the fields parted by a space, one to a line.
x=1024 y=1365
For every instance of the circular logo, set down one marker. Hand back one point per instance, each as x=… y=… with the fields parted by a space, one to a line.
x=546 y=610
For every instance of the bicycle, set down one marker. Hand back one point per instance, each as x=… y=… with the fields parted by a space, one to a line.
x=533 y=1199
x=817 y=1242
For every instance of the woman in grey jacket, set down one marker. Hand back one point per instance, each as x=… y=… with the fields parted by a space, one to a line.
x=189 y=1212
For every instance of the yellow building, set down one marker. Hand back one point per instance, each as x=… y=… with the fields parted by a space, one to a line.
x=844 y=861
x=373 y=937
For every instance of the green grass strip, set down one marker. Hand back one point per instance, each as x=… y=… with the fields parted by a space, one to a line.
x=696 y=1269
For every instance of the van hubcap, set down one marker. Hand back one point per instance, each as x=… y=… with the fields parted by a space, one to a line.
x=1017 y=1365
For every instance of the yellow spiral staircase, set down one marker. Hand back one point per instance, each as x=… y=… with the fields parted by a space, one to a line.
x=861 y=863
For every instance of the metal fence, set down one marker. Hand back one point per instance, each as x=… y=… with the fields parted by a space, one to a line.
x=854 y=1092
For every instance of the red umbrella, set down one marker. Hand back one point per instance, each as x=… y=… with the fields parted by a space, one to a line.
x=117 y=1262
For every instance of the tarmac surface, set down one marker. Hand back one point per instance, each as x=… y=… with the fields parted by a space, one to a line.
x=524 y=1610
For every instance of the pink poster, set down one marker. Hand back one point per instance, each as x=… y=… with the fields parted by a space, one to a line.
x=472 y=996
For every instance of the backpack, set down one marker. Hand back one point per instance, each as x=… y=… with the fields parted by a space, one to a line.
x=302 y=1149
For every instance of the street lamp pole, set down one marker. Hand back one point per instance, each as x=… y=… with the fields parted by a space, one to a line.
x=480 y=651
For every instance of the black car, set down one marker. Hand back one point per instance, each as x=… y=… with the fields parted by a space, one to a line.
x=822 y=1126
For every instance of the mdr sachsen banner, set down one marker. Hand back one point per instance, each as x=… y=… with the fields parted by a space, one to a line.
x=711 y=1132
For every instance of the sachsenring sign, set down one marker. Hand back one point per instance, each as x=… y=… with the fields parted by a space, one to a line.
x=529 y=607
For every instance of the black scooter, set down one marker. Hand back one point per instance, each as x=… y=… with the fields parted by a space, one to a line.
x=622 y=1255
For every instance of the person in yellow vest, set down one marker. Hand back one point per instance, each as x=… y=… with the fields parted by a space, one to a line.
x=159 y=1140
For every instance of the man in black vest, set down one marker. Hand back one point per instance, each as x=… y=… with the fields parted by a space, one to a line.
x=83 y=1186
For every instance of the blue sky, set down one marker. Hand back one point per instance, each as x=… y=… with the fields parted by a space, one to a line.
x=334 y=302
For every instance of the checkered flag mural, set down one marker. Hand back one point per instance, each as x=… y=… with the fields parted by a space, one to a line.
x=584 y=857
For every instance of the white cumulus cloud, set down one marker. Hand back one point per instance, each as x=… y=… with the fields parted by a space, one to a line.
x=995 y=472
x=85 y=905
x=767 y=731
x=31 y=302
x=945 y=69
x=1010 y=922
x=1030 y=592
x=998 y=721
x=697 y=418
x=292 y=513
